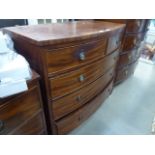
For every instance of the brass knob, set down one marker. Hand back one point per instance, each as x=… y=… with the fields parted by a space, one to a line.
x=1 y=125
x=78 y=98
x=81 y=78
x=82 y=56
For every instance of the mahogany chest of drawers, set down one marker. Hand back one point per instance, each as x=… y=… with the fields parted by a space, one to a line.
x=22 y=114
x=134 y=33
x=77 y=64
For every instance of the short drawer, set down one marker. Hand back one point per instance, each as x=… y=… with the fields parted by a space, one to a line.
x=33 y=126
x=128 y=58
x=131 y=41
x=73 y=120
x=69 y=103
x=17 y=110
x=136 y=25
x=125 y=72
x=69 y=82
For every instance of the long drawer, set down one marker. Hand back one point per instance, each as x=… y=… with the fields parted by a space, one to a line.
x=17 y=110
x=73 y=120
x=128 y=58
x=125 y=72
x=69 y=82
x=63 y=59
x=131 y=41
x=65 y=105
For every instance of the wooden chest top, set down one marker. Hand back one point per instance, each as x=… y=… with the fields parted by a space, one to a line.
x=50 y=34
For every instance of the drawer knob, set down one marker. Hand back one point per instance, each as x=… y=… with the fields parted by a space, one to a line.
x=78 y=98
x=129 y=57
x=138 y=23
x=81 y=78
x=135 y=41
x=1 y=125
x=126 y=72
x=82 y=56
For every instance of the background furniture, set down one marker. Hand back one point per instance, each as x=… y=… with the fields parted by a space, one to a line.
x=76 y=61
x=22 y=114
x=134 y=33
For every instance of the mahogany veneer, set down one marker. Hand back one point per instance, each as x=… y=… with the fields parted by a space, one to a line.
x=77 y=63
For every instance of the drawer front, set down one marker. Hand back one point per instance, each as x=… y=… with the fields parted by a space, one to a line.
x=125 y=72
x=131 y=41
x=14 y=112
x=128 y=58
x=69 y=82
x=73 y=120
x=65 y=105
x=66 y=58
x=137 y=25
x=114 y=42
x=34 y=126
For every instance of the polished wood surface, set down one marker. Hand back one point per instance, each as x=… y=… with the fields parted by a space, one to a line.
x=48 y=34
x=73 y=101
x=75 y=60
x=75 y=119
x=16 y=110
x=125 y=72
x=133 y=35
x=72 y=81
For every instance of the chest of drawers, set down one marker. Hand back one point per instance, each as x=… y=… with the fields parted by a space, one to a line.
x=134 y=34
x=22 y=114
x=76 y=62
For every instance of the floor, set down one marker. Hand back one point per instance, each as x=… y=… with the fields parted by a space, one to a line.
x=129 y=110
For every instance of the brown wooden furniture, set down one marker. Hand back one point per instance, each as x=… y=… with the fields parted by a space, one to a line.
x=22 y=114
x=134 y=33
x=77 y=64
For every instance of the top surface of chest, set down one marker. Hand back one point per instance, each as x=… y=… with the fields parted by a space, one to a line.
x=49 y=34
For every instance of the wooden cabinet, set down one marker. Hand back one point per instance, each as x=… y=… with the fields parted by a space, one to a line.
x=134 y=34
x=77 y=64
x=23 y=113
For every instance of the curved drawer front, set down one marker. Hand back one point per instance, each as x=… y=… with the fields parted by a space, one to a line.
x=69 y=82
x=65 y=59
x=73 y=120
x=18 y=110
x=131 y=41
x=128 y=58
x=125 y=72
x=136 y=25
x=73 y=101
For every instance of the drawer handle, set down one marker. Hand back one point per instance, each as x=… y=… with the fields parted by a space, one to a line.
x=81 y=78
x=129 y=57
x=78 y=98
x=82 y=56
x=135 y=41
x=1 y=125
x=126 y=72
x=138 y=23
